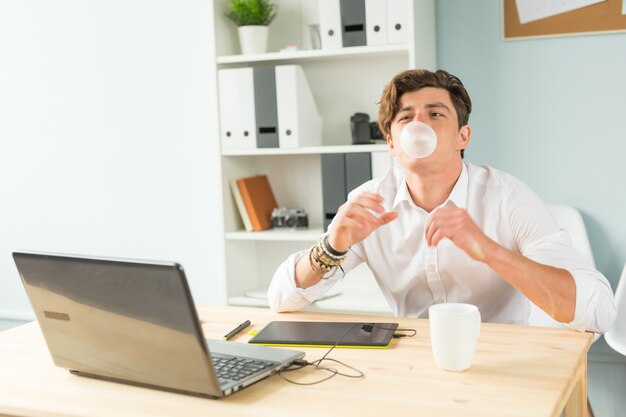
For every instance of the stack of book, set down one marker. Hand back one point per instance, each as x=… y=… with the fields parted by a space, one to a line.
x=255 y=201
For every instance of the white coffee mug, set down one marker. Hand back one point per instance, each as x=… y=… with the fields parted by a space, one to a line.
x=454 y=330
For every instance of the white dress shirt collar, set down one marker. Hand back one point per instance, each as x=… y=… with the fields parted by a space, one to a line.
x=458 y=195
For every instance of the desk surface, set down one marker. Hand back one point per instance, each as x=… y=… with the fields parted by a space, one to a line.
x=517 y=371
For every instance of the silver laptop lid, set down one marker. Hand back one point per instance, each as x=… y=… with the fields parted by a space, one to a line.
x=118 y=319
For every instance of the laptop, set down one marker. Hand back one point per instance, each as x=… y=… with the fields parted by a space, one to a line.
x=134 y=322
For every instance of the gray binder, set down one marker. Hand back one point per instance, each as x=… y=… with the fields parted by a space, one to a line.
x=342 y=173
x=265 y=107
x=358 y=170
x=353 y=29
x=333 y=184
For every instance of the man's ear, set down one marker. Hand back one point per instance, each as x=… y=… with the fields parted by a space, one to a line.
x=391 y=144
x=463 y=140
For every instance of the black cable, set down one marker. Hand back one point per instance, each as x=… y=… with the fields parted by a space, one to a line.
x=317 y=365
x=399 y=335
x=332 y=371
x=301 y=363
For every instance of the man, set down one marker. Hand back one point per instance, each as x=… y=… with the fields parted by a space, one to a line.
x=442 y=230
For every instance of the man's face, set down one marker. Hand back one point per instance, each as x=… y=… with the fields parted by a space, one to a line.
x=434 y=107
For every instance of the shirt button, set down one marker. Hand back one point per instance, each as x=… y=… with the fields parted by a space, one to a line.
x=431 y=268
x=438 y=300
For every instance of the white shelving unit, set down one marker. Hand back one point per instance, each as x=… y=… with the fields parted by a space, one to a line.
x=343 y=81
x=281 y=235
x=309 y=150
x=299 y=56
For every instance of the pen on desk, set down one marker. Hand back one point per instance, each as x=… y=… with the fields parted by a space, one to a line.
x=237 y=329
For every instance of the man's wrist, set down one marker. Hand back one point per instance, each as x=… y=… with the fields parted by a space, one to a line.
x=323 y=260
x=492 y=253
x=331 y=250
x=335 y=246
x=309 y=275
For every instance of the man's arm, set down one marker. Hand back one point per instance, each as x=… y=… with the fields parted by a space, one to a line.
x=298 y=280
x=355 y=220
x=306 y=274
x=553 y=289
x=283 y=295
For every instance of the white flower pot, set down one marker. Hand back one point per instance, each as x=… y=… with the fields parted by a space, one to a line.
x=253 y=39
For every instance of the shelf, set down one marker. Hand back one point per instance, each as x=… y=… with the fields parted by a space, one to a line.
x=358 y=302
x=310 y=150
x=284 y=235
x=315 y=54
x=352 y=295
x=244 y=301
x=354 y=300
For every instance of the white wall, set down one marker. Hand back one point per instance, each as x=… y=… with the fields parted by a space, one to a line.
x=106 y=138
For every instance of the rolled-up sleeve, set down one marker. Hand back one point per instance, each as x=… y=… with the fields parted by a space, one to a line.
x=283 y=295
x=595 y=307
x=540 y=239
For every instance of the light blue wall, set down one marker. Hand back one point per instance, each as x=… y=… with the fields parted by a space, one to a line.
x=551 y=111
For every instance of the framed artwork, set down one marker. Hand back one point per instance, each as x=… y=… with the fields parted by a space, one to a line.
x=538 y=18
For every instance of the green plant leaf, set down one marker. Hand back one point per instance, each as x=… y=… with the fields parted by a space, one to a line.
x=251 y=12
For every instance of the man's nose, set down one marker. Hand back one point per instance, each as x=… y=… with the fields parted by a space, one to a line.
x=420 y=117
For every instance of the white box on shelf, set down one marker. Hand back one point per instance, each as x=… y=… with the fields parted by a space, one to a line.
x=299 y=122
x=397 y=24
x=381 y=163
x=376 y=22
x=330 y=24
x=237 y=116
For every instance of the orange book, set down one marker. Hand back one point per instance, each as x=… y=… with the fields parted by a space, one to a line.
x=259 y=200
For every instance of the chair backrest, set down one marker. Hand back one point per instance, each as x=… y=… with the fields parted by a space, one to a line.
x=616 y=336
x=570 y=219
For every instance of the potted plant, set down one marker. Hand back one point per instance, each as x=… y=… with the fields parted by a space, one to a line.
x=252 y=18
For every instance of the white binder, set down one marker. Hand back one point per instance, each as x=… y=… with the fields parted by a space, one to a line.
x=237 y=117
x=376 y=21
x=397 y=13
x=381 y=163
x=299 y=122
x=330 y=24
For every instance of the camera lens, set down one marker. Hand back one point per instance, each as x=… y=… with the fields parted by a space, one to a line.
x=290 y=221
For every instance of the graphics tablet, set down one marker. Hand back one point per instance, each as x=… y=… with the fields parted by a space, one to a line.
x=326 y=334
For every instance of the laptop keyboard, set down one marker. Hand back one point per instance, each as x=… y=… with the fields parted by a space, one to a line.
x=235 y=368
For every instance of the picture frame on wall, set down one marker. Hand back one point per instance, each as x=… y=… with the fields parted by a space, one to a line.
x=523 y=19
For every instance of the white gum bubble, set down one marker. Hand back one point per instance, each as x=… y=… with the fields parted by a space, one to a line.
x=418 y=140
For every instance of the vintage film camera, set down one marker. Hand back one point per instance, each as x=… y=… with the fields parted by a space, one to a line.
x=291 y=218
x=362 y=130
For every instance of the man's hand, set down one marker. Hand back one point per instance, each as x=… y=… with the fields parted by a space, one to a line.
x=356 y=219
x=454 y=223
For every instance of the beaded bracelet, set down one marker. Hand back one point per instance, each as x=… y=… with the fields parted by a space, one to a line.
x=323 y=258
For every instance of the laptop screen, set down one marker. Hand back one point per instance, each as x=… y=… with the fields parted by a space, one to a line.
x=119 y=319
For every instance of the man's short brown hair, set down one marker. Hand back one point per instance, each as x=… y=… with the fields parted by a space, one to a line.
x=413 y=80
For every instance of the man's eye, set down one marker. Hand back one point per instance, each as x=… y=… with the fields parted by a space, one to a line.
x=436 y=114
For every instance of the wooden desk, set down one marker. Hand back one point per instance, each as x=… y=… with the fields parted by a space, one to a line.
x=517 y=371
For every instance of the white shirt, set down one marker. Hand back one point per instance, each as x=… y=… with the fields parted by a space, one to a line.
x=413 y=276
